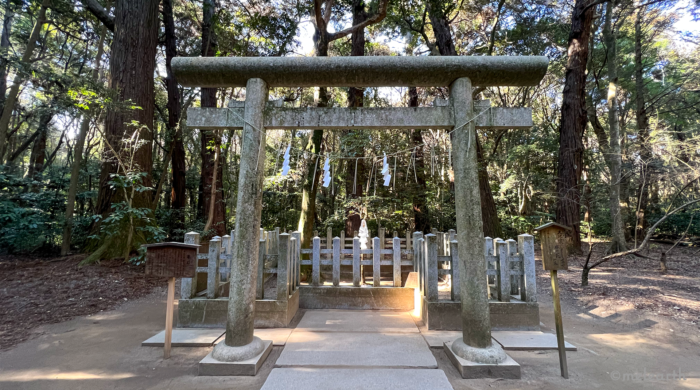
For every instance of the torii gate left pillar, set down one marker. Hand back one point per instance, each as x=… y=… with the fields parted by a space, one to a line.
x=240 y=345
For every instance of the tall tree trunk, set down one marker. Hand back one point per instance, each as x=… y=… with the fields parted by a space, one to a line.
x=132 y=62
x=38 y=155
x=573 y=124
x=420 y=206
x=78 y=154
x=210 y=142
x=443 y=36
x=615 y=153
x=177 y=193
x=19 y=77
x=645 y=167
x=4 y=50
x=355 y=99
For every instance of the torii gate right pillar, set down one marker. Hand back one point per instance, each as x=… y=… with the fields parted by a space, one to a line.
x=475 y=345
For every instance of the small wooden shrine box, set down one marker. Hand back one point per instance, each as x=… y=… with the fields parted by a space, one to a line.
x=555 y=245
x=171 y=260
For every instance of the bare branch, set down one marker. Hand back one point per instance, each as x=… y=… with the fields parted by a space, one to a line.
x=376 y=18
x=100 y=13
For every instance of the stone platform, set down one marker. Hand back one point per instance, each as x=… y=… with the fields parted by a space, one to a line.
x=357 y=321
x=355 y=350
x=356 y=379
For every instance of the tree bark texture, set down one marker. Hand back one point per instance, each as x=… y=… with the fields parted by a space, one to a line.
x=645 y=167
x=573 y=124
x=11 y=99
x=4 y=50
x=132 y=62
x=209 y=139
x=443 y=36
x=615 y=151
x=78 y=155
x=177 y=193
x=420 y=206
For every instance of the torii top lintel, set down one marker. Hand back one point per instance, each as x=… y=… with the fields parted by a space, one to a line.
x=387 y=71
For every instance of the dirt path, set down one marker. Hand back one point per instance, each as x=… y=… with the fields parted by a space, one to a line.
x=103 y=351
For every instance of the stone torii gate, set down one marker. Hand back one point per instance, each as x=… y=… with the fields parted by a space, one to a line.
x=461 y=74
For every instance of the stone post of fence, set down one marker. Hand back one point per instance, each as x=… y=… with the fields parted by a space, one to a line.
x=503 y=279
x=297 y=266
x=454 y=266
x=316 y=262
x=213 y=267
x=260 y=287
x=526 y=249
x=397 y=260
x=431 y=267
x=188 y=286
x=336 y=261
x=377 y=260
x=283 y=268
x=356 y=261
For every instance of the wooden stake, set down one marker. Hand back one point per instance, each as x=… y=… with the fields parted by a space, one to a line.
x=169 y=318
x=559 y=325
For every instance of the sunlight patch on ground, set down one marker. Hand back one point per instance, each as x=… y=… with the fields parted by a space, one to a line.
x=37 y=375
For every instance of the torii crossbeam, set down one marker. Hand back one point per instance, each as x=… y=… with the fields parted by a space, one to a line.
x=475 y=347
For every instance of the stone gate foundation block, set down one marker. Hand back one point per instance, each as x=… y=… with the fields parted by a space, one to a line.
x=212 y=367
x=508 y=369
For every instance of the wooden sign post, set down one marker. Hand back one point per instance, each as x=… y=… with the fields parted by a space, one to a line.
x=554 y=240
x=171 y=260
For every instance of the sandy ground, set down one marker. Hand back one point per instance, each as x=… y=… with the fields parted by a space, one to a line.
x=103 y=351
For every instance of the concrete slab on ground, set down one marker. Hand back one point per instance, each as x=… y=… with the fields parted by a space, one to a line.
x=354 y=350
x=436 y=338
x=278 y=336
x=528 y=341
x=509 y=369
x=192 y=337
x=357 y=321
x=356 y=379
x=212 y=367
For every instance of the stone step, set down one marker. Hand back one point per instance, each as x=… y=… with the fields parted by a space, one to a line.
x=356 y=379
x=367 y=321
x=356 y=350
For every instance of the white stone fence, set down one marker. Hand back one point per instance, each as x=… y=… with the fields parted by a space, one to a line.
x=510 y=267
x=273 y=247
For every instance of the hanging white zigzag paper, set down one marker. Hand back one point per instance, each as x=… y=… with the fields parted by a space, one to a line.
x=327 y=173
x=285 y=164
x=385 y=172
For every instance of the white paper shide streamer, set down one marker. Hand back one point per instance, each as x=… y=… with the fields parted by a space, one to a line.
x=327 y=173
x=386 y=172
x=285 y=164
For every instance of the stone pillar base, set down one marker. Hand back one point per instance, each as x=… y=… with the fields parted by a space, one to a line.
x=506 y=369
x=210 y=366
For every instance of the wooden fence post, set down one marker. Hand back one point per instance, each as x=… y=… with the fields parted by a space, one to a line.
x=336 y=261
x=397 y=260
x=432 y=268
x=213 y=267
x=503 y=279
x=356 y=261
x=283 y=268
x=526 y=249
x=188 y=286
